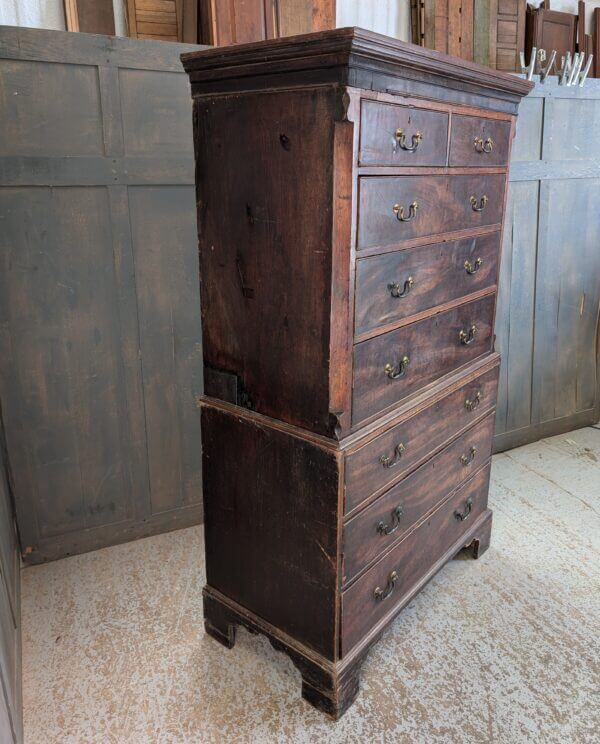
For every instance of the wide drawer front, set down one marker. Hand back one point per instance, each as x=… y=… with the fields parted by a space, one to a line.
x=400 y=284
x=388 y=519
x=385 y=459
x=402 y=135
x=390 y=367
x=394 y=209
x=379 y=590
x=477 y=141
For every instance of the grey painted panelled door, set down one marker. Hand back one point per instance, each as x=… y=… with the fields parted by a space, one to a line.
x=100 y=343
x=10 y=622
x=547 y=323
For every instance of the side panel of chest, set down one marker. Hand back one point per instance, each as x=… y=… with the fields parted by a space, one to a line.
x=271 y=505
x=265 y=216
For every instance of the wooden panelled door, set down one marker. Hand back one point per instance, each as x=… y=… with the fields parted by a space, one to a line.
x=448 y=27
x=224 y=22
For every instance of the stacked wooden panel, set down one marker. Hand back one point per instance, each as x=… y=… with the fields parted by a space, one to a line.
x=490 y=32
x=155 y=19
x=351 y=192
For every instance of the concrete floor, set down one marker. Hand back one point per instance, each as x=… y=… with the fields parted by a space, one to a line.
x=505 y=649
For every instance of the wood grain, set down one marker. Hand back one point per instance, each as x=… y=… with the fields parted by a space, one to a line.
x=421 y=433
x=444 y=204
x=416 y=495
x=433 y=348
x=258 y=313
x=438 y=275
x=409 y=559
x=379 y=124
x=465 y=129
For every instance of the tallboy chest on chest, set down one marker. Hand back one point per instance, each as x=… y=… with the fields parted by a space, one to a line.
x=351 y=192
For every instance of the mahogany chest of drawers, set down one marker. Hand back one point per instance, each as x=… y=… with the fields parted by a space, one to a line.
x=350 y=193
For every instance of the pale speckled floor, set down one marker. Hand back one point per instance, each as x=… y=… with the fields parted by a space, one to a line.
x=505 y=649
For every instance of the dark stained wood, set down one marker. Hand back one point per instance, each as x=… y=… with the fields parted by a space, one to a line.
x=336 y=56
x=409 y=559
x=417 y=494
x=466 y=129
x=443 y=205
x=330 y=687
x=433 y=348
x=379 y=145
x=303 y=432
x=550 y=30
x=438 y=275
x=267 y=281
x=422 y=433
x=271 y=536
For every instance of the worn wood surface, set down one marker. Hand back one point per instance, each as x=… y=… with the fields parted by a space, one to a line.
x=285 y=213
x=393 y=287
x=271 y=525
x=379 y=146
x=410 y=559
x=549 y=302
x=239 y=21
x=443 y=205
x=11 y=725
x=433 y=348
x=99 y=332
x=426 y=431
x=380 y=525
x=267 y=279
x=494 y=134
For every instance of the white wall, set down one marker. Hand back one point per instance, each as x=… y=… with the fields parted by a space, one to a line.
x=49 y=14
x=35 y=13
x=391 y=17
x=570 y=6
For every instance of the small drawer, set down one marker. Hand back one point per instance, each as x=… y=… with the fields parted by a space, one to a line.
x=402 y=135
x=389 y=367
x=389 y=518
x=478 y=141
x=385 y=459
x=384 y=586
x=400 y=284
x=393 y=209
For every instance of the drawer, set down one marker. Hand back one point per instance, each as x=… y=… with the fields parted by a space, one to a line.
x=389 y=367
x=400 y=284
x=376 y=465
x=393 y=209
x=402 y=135
x=478 y=141
x=363 y=604
x=388 y=519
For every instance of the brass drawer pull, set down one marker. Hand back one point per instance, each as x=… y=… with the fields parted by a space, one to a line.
x=467 y=459
x=399 y=371
x=478 y=205
x=381 y=594
x=388 y=529
x=395 y=290
x=473 y=268
x=482 y=146
x=390 y=462
x=398 y=210
x=472 y=404
x=461 y=516
x=467 y=337
x=401 y=140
